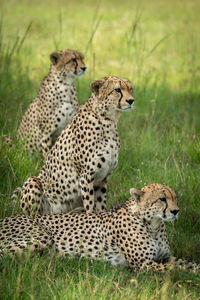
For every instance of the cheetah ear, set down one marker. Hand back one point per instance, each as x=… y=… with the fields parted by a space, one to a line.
x=95 y=86
x=54 y=57
x=137 y=194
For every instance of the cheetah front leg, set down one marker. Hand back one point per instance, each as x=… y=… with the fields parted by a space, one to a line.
x=174 y=263
x=140 y=255
x=47 y=137
x=140 y=261
x=141 y=264
x=185 y=265
x=87 y=192
x=100 y=196
x=31 y=196
x=63 y=115
x=46 y=144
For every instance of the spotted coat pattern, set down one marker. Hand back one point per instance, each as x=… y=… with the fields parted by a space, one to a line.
x=55 y=104
x=133 y=234
x=77 y=166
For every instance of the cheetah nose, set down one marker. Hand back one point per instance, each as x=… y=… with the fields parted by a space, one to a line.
x=175 y=211
x=83 y=69
x=130 y=101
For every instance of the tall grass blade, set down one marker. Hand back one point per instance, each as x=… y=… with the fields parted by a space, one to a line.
x=24 y=36
x=92 y=34
x=135 y=25
x=157 y=44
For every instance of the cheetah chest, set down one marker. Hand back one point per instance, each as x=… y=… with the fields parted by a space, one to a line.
x=108 y=160
x=163 y=251
x=66 y=106
x=64 y=114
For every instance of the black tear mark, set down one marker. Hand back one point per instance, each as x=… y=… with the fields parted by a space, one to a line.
x=164 y=212
x=121 y=96
x=75 y=66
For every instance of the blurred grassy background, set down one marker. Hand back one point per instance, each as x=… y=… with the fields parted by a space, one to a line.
x=155 y=44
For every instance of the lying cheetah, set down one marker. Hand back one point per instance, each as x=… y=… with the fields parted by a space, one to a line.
x=133 y=234
x=56 y=102
x=86 y=152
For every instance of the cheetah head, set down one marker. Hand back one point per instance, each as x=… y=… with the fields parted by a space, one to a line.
x=68 y=63
x=157 y=201
x=113 y=93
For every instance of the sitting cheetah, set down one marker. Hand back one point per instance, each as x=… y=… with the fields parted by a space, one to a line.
x=84 y=155
x=56 y=102
x=133 y=234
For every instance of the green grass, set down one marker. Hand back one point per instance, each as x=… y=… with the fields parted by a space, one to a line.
x=155 y=44
x=50 y=277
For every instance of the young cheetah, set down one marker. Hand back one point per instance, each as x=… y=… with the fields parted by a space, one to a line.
x=56 y=102
x=133 y=234
x=86 y=152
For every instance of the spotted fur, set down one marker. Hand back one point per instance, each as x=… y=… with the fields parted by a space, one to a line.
x=77 y=166
x=133 y=234
x=55 y=104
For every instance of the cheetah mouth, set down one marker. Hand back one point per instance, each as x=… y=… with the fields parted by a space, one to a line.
x=79 y=74
x=124 y=108
x=168 y=219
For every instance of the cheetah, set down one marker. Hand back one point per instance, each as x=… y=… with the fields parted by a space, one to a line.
x=132 y=234
x=55 y=104
x=77 y=166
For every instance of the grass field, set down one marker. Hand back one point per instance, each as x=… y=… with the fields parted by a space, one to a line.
x=155 y=44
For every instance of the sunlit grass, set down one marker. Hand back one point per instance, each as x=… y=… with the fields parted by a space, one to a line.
x=50 y=277
x=153 y=43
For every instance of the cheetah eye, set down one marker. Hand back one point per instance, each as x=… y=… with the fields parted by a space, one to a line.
x=163 y=199
x=118 y=90
x=74 y=59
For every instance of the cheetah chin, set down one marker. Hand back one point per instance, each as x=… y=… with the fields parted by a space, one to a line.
x=80 y=74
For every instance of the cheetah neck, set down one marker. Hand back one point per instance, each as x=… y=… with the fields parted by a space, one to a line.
x=154 y=225
x=113 y=115
x=150 y=219
x=59 y=78
x=61 y=89
x=101 y=110
x=151 y=222
x=65 y=80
